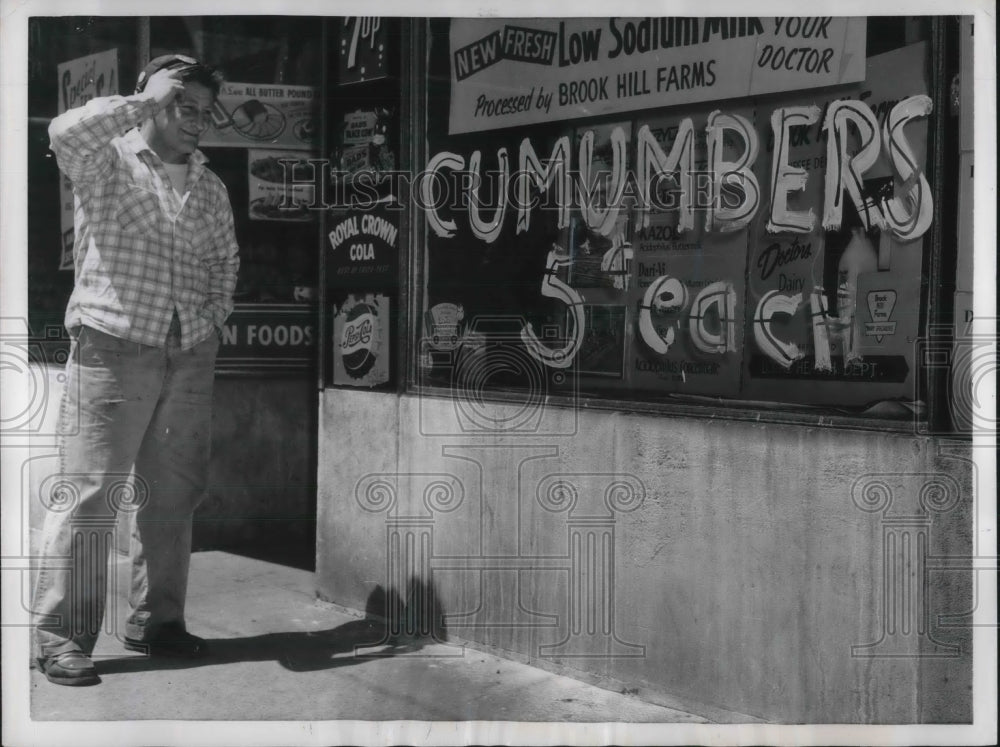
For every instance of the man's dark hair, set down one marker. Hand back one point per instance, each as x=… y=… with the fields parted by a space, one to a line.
x=206 y=75
x=191 y=70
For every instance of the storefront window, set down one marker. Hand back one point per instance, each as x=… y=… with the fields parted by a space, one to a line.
x=695 y=211
x=267 y=119
x=267 y=113
x=366 y=203
x=70 y=60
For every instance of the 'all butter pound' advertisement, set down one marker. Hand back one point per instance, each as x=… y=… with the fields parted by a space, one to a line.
x=260 y=115
x=361 y=341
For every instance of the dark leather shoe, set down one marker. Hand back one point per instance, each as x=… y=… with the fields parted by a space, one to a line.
x=70 y=668
x=171 y=641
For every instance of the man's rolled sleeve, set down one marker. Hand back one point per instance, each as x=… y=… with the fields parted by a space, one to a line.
x=81 y=138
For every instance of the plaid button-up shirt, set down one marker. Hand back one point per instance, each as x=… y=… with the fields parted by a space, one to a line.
x=140 y=252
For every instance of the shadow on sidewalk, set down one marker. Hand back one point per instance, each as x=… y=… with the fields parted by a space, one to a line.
x=389 y=628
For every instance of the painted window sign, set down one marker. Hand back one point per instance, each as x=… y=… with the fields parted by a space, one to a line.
x=838 y=295
x=907 y=217
x=765 y=251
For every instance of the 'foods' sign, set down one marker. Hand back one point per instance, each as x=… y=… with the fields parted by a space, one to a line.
x=268 y=337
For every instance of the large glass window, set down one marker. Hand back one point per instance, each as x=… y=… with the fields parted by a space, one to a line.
x=688 y=211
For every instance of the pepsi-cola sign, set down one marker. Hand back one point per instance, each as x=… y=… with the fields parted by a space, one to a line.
x=360 y=341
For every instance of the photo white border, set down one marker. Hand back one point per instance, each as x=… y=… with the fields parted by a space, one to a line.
x=19 y=730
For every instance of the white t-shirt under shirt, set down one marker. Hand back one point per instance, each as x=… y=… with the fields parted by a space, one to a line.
x=178 y=176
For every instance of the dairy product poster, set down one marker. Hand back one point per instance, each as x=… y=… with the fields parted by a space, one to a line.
x=858 y=292
x=689 y=285
x=278 y=186
x=264 y=115
x=507 y=73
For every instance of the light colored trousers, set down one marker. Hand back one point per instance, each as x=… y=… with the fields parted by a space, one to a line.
x=125 y=405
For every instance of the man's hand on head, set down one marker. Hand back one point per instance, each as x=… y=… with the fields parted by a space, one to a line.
x=164 y=86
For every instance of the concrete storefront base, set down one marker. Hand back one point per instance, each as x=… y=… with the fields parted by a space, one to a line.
x=786 y=572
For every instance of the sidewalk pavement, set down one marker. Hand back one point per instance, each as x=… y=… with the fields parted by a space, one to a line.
x=277 y=653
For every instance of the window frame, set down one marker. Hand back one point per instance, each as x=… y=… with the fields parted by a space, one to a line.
x=935 y=310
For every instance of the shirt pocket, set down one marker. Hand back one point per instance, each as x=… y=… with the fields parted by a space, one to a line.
x=199 y=237
x=138 y=211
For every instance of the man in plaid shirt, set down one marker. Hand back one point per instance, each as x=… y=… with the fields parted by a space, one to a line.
x=156 y=260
